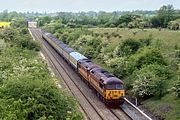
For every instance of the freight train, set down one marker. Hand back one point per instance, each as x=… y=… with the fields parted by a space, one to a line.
x=109 y=88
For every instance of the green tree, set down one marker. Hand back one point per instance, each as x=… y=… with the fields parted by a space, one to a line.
x=150 y=80
x=127 y=47
x=166 y=14
x=155 y=22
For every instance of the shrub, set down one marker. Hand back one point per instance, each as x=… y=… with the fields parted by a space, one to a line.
x=26 y=42
x=9 y=35
x=64 y=37
x=177 y=54
x=26 y=98
x=88 y=52
x=145 y=56
x=127 y=47
x=174 y=25
x=176 y=87
x=88 y=45
x=146 y=41
x=118 y=66
x=150 y=80
x=114 y=34
x=24 y=31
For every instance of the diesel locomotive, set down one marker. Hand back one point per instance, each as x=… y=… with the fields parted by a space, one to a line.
x=108 y=87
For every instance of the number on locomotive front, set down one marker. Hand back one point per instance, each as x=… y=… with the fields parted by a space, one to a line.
x=114 y=91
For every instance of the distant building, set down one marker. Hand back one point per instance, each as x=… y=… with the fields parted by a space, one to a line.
x=32 y=24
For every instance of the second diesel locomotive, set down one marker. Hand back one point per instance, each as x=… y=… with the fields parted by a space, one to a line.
x=109 y=88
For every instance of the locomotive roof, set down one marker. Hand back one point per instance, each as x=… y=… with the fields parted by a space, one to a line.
x=112 y=80
x=105 y=76
x=77 y=56
x=102 y=72
x=88 y=64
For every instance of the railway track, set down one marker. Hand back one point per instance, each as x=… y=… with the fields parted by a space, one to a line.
x=90 y=104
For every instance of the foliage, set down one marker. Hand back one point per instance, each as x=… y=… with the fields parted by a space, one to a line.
x=166 y=14
x=155 y=22
x=20 y=38
x=87 y=45
x=9 y=16
x=27 y=91
x=174 y=25
x=145 y=56
x=176 y=87
x=18 y=23
x=127 y=47
x=123 y=19
x=27 y=98
x=44 y=20
x=118 y=66
x=150 y=81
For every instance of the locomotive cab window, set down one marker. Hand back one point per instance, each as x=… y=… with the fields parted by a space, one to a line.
x=114 y=86
x=119 y=86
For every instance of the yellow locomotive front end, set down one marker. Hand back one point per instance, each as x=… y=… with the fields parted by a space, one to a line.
x=114 y=92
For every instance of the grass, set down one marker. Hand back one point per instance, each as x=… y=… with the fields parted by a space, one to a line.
x=167 y=107
x=170 y=37
x=4 y=24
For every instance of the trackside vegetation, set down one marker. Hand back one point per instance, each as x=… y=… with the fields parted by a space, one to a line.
x=27 y=91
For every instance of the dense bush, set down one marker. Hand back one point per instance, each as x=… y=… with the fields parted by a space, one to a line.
x=174 y=25
x=87 y=45
x=176 y=87
x=145 y=56
x=9 y=35
x=20 y=38
x=150 y=80
x=127 y=47
x=118 y=66
x=29 y=44
x=26 y=98
x=177 y=54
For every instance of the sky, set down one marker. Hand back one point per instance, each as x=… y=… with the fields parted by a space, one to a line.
x=84 y=5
